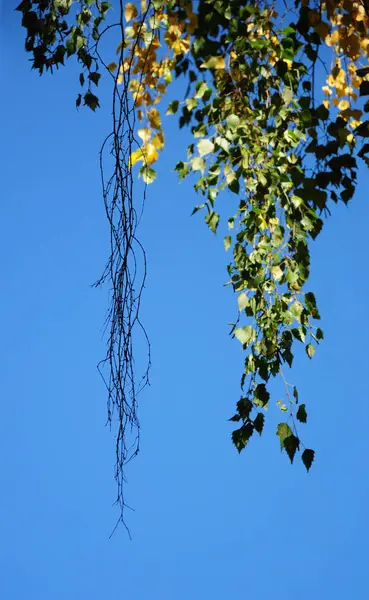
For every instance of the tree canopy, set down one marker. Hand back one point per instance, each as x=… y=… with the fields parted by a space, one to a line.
x=276 y=104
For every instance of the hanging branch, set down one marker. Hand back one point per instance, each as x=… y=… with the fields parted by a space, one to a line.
x=260 y=131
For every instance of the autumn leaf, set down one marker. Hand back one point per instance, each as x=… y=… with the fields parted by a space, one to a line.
x=214 y=62
x=151 y=153
x=154 y=118
x=158 y=140
x=145 y=134
x=130 y=12
x=135 y=157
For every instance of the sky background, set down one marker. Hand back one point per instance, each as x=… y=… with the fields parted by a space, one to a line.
x=208 y=523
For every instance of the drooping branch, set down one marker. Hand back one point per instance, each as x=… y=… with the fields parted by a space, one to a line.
x=260 y=130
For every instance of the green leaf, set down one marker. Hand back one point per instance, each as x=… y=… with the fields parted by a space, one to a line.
x=311 y=306
x=91 y=101
x=277 y=272
x=244 y=407
x=298 y=333
x=233 y=122
x=310 y=350
x=296 y=309
x=283 y=432
x=191 y=103
x=243 y=301
x=172 y=108
x=259 y=423
x=245 y=335
x=94 y=77
x=205 y=147
x=198 y=164
x=319 y=334
x=197 y=208
x=201 y=88
x=241 y=436
x=307 y=458
x=296 y=394
x=261 y=395
x=301 y=414
x=227 y=242
x=212 y=220
x=291 y=444
x=234 y=186
x=148 y=174
x=183 y=169
x=287 y=95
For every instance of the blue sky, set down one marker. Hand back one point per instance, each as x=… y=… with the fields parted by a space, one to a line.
x=207 y=523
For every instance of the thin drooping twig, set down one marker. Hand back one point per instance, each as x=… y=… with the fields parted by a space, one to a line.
x=126 y=272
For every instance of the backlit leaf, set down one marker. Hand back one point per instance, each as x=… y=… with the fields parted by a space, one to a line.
x=130 y=12
x=212 y=220
x=245 y=334
x=243 y=301
x=205 y=147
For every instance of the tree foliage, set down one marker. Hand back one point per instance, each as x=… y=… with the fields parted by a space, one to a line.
x=276 y=105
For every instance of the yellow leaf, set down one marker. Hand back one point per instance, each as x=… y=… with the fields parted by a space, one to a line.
x=151 y=154
x=154 y=118
x=120 y=79
x=125 y=66
x=143 y=5
x=144 y=134
x=134 y=85
x=147 y=98
x=158 y=140
x=356 y=81
x=130 y=12
x=343 y=105
x=220 y=62
x=185 y=45
x=331 y=40
x=137 y=98
x=214 y=62
x=112 y=67
x=135 y=157
x=326 y=103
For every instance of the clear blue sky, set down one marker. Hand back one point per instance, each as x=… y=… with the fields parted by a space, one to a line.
x=208 y=523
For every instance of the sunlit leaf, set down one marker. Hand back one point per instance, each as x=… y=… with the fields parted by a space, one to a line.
x=130 y=12
x=205 y=147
